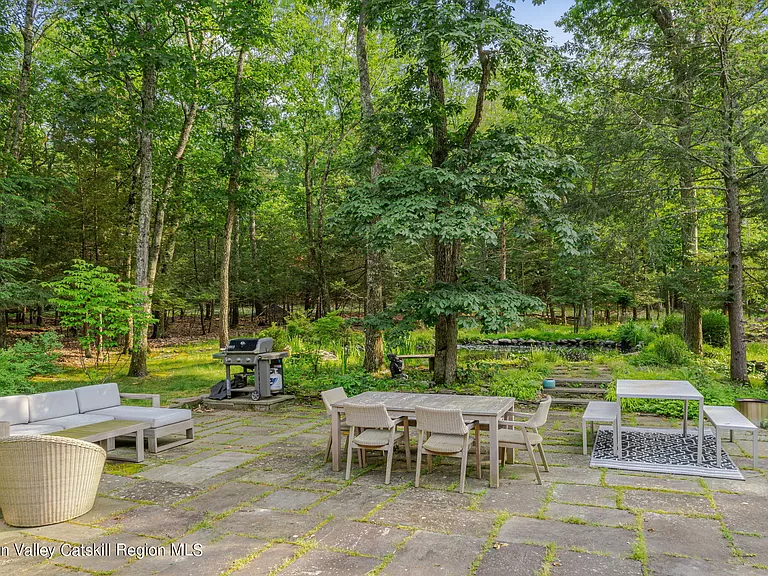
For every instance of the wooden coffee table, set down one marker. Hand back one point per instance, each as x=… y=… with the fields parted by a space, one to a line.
x=104 y=434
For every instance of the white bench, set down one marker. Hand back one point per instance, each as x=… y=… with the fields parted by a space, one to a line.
x=598 y=411
x=728 y=418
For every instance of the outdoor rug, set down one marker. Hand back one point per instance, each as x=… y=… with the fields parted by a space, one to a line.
x=662 y=450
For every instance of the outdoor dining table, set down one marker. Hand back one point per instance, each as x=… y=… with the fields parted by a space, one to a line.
x=487 y=410
x=665 y=390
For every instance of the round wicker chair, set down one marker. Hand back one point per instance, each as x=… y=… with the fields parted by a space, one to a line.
x=47 y=479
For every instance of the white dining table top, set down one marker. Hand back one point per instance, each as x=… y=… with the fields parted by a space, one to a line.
x=662 y=389
x=492 y=406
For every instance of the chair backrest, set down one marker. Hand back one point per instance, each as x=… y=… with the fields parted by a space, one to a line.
x=332 y=396
x=441 y=420
x=539 y=417
x=368 y=415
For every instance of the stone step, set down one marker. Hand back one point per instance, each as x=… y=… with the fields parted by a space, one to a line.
x=577 y=382
x=576 y=391
x=567 y=402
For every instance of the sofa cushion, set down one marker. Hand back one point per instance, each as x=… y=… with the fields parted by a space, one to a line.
x=32 y=429
x=14 y=409
x=52 y=405
x=77 y=420
x=156 y=417
x=91 y=398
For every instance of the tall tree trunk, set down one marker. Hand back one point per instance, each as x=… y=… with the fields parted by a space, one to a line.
x=138 y=365
x=22 y=98
x=503 y=250
x=677 y=49
x=232 y=188
x=374 y=341
x=733 y=215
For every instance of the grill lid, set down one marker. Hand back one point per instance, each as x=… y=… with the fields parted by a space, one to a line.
x=250 y=345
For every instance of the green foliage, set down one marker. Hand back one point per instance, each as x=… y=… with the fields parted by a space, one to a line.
x=25 y=359
x=631 y=334
x=715 y=329
x=667 y=350
x=278 y=334
x=98 y=306
x=673 y=324
x=520 y=384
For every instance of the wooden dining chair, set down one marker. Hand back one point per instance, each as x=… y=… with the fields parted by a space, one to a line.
x=330 y=397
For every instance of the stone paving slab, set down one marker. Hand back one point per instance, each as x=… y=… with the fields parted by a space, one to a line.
x=66 y=532
x=754 y=549
x=223 y=461
x=594 y=495
x=286 y=499
x=225 y=497
x=110 y=482
x=591 y=514
x=109 y=561
x=157 y=492
x=654 y=482
x=434 y=554
x=694 y=537
x=579 y=564
x=743 y=513
x=353 y=502
x=104 y=508
x=269 y=559
x=269 y=524
x=667 y=502
x=361 y=538
x=317 y=562
x=675 y=566
x=515 y=497
x=178 y=474
x=158 y=521
x=613 y=541
x=512 y=560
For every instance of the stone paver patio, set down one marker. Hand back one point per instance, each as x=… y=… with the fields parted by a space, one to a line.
x=252 y=496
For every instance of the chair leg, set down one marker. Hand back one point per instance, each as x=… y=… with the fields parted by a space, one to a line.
x=477 y=452
x=418 y=458
x=584 y=437
x=533 y=460
x=328 y=450
x=464 y=454
x=350 y=447
x=543 y=458
x=407 y=442
x=390 y=456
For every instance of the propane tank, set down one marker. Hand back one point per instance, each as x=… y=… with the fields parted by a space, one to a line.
x=275 y=380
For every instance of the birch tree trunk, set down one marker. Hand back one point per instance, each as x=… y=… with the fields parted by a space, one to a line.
x=13 y=144
x=138 y=365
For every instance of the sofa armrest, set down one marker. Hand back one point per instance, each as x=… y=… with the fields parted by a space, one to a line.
x=154 y=397
x=5 y=429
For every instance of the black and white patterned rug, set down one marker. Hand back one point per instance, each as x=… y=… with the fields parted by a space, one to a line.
x=662 y=450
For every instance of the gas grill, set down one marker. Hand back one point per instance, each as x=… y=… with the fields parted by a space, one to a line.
x=262 y=374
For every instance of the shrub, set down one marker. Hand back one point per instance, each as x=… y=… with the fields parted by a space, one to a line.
x=714 y=326
x=520 y=384
x=673 y=324
x=25 y=359
x=278 y=334
x=631 y=334
x=671 y=350
x=297 y=324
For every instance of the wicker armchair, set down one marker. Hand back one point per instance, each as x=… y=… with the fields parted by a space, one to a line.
x=371 y=428
x=527 y=436
x=48 y=479
x=443 y=432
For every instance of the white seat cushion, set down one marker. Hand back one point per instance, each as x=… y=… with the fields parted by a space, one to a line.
x=14 y=409
x=77 y=420
x=372 y=437
x=30 y=429
x=445 y=443
x=507 y=436
x=91 y=398
x=52 y=405
x=157 y=417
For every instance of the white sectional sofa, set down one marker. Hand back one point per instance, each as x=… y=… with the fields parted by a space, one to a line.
x=55 y=411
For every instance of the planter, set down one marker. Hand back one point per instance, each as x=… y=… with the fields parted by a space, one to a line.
x=754 y=409
x=549 y=383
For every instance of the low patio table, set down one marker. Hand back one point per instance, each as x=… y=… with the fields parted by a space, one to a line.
x=487 y=410
x=104 y=434
x=664 y=390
